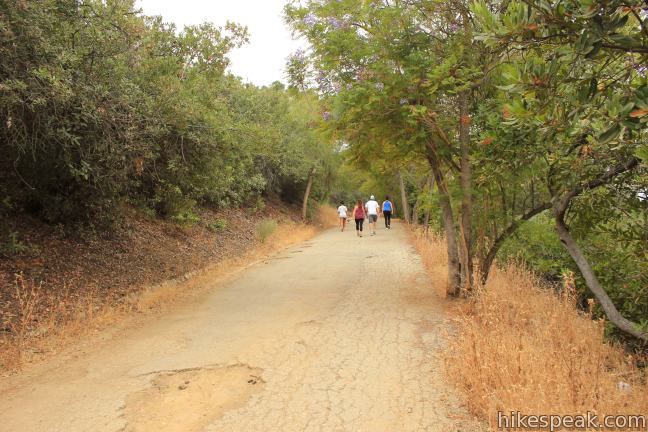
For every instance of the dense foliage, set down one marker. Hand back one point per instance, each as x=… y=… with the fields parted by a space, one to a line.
x=102 y=106
x=516 y=111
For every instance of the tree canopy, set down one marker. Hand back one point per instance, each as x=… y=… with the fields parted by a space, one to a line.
x=515 y=108
x=102 y=105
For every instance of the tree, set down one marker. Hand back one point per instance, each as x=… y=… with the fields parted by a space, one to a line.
x=580 y=95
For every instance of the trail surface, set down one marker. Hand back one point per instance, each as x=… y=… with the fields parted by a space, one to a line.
x=337 y=334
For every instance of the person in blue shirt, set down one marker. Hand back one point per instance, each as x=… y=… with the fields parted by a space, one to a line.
x=388 y=208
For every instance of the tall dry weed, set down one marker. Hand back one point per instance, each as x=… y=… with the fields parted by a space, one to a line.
x=35 y=321
x=520 y=346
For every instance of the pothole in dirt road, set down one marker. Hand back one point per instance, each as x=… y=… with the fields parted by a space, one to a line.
x=190 y=399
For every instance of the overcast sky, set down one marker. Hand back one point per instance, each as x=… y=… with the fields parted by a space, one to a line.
x=262 y=61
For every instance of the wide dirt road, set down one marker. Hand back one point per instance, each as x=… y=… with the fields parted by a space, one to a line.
x=337 y=334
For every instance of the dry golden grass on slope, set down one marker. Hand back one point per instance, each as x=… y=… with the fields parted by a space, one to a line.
x=326 y=216
x=521 y=347
x=43 y=323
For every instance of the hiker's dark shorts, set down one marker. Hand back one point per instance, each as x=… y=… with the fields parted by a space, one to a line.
x=373 y=218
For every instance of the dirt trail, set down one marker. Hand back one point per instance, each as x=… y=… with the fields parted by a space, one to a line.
x=337 y=334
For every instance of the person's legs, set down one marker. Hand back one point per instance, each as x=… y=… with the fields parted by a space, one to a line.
x=387 y=219
x=358 y=226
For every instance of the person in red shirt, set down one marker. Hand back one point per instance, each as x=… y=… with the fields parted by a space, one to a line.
x=359 y=214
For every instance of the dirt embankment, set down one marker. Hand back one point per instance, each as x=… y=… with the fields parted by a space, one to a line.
x=60 y=278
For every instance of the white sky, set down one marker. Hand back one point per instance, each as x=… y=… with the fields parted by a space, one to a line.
x=262 y=60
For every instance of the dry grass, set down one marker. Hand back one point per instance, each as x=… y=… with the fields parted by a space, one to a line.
x=326 y=216
x=433 y=252
x=35 y=323
x=521 y=347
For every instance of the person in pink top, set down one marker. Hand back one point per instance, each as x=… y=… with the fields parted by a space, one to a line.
x=359 y=214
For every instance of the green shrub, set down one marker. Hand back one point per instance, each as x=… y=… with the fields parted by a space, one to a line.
x=10 y=244
x=536 y=243
x=259 y=206
x=265 y=228
x=219 y=225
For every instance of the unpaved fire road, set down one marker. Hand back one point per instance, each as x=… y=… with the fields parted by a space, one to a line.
x=337 y=334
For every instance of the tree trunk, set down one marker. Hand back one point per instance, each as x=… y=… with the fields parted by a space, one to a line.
x=466 y=192
x=454 y=267
x=426 y=218
x=309 y=185
x=560 y=206
x=405 y=203
x=415 y=211
x=593 y=284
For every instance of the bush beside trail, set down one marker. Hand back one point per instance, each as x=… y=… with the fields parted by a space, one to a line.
x=101 y=107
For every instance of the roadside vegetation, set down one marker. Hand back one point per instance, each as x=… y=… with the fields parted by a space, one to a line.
x=102 y=107
x=523 y=346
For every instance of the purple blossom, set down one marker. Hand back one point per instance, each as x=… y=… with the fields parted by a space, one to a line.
x=349 y=86
x=326 y=115
x=337 y=88
x=380 y=86
x=300 y=54
x=310 y=19
x=335 y=23
x=641 y=69
x=643 y=13
x=454 y=27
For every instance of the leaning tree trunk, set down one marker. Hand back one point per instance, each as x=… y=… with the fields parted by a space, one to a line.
x=593 y=284
x=560 y=206
x=454 y=267
x=466 y=191
x=405 y=203
x=309 y=185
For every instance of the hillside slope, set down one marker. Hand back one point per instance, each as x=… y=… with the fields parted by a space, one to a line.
x=56 y=278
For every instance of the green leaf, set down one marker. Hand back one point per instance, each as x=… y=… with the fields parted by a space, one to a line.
x=642 y=153
x=609 y=134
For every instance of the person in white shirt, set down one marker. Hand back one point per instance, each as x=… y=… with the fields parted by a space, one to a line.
x=372 y=207
x=342 y=213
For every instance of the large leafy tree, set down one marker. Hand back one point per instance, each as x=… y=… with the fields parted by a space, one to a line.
x=576 y=87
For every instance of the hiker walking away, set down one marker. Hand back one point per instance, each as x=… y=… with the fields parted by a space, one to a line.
x=372 y=207
x=359 y=216
x=388 y=209
x=342 y=214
